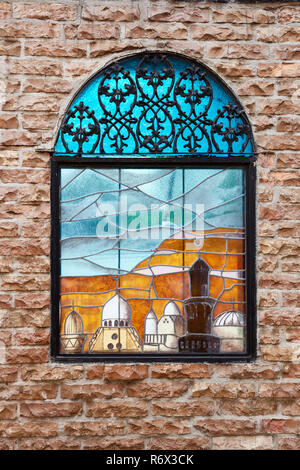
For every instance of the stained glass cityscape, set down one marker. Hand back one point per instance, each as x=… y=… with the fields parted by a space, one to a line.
x=129 y=256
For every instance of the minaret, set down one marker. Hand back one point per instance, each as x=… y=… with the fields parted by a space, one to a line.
x=198 y=309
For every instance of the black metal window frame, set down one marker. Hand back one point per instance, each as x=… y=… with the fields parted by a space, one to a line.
x=249 y=167
x=247 y=162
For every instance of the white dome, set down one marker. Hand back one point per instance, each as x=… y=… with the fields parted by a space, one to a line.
x=151 y=323
x=116 y=308
x=230 y=318
x=171 y=309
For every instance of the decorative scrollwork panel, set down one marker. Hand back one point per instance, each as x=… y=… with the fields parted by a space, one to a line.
x=155 y=104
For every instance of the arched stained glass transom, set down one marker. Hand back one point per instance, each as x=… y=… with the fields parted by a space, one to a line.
x=155 y=104
x=153 y=217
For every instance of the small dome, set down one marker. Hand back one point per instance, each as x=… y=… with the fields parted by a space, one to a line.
x=73 y=324
x=230 y=318
x=151 y=323
x=116 y=308
x=171 y=309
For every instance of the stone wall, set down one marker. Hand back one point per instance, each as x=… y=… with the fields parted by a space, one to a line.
x=47 y=51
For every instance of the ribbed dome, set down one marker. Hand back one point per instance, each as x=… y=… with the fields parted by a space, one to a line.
x=230 y=318
x=116 y=308
x=151 y=323
x=171 y=309
x=73 y=324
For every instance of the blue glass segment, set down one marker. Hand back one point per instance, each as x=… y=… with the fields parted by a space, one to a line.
x=124 y=216
x=155 y=104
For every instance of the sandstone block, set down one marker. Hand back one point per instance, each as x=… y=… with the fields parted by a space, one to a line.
x=24 y=29
x=279 y=142
x=110 y=13
x=31 y=337
x=181 y=371
x=49 y=444
x=126 y=372
x=243 y=443
x=228 y=390
x=279 y=69
x=291 y=408
x=54 y=49
x=287 y=52
x=256 y=88
x=276 y=33
x=98 y=31
x=98 y=428
x=238 y=51
x=219 y=427
x=8 y=121
x=281 y=426
x=282 y=390
x=288 y=443
x=50 y=410
x=190 y=14
x=35 y=67
x=26 y=355
x=29 y=429
x=28 y=300
x=8 y=412
x=288 y=124
x=18 y=138
x=241 y=15
x=100 y=48
x=157 y=31
x=291 y=371
x=276 y=353
x=235 y=69
x=90 y=391
x=184 y=443
x=113 y=444
x=49 y=85
x=289 y=14
x=293 y=335
x=158 y=426
x=8 y=374
x=28 y=392
x=156 y=390
x=183 y=408
x=42 y=11
x=288 y=160
x=94 y=372
x=38 y=121
x=116 y=409
x=253 y=407
x=10 y=47
x=248 y=371
x=279 y=318
x=50 y=373
x=26 y=248
x=5 y=10
x=220 y=33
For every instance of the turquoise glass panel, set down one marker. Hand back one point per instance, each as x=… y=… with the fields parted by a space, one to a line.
x=155 y=104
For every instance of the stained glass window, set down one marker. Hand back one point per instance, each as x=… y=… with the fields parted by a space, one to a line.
x=153 y=179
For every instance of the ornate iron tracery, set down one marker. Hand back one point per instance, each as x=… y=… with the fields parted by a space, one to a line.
x=155 y=103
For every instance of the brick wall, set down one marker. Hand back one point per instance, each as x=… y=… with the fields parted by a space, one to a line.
x=46 y=51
